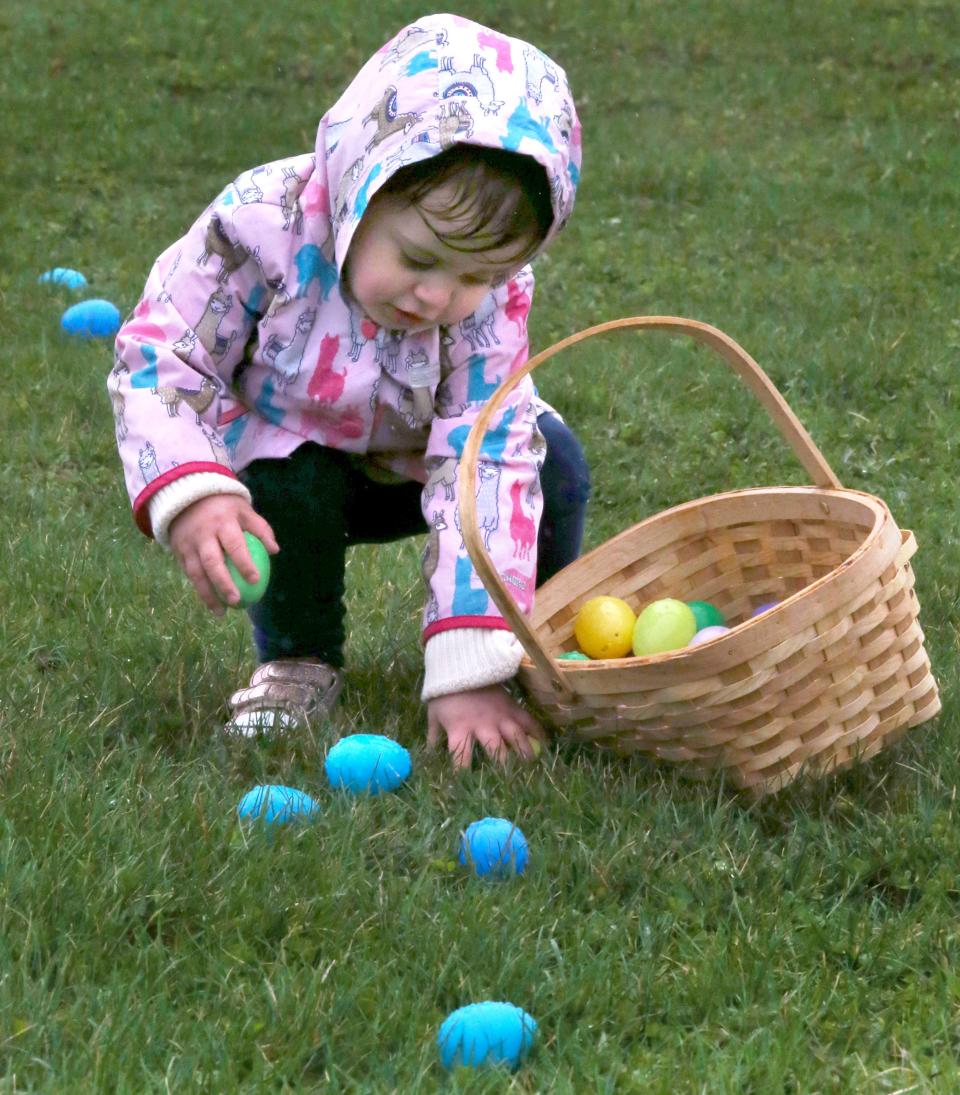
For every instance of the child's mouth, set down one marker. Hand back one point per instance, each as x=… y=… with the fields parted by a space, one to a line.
x=409 y=317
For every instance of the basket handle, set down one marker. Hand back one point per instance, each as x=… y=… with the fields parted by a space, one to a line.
x=735 y=356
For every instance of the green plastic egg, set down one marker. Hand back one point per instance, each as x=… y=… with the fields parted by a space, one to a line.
x=251 y=592
x=706 y=614
x=663 y=625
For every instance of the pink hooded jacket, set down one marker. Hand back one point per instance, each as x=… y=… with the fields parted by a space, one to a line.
x=245 y=343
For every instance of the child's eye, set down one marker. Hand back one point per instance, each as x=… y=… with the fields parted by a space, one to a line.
x=418 y=264
x=474 y=280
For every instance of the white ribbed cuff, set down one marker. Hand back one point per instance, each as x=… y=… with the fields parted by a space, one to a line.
x=170 y=501
x=468 y=657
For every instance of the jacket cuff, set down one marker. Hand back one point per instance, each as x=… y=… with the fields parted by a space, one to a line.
x=468 y=657
x=170 y=501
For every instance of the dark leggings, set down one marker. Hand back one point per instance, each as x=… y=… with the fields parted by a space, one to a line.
x=319 y=503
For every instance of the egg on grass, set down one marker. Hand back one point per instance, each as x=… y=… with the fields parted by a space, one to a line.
x=490 y=1032
x=367 y=764
x=495 y=848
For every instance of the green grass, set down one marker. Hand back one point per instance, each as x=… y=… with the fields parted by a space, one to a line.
x=786 y=172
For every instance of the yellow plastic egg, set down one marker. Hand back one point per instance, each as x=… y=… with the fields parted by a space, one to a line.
x=604 y=627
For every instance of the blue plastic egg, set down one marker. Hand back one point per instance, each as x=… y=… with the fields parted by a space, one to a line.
x=367 y=764
x=63 y=275
x=486 y=1033
x=274 y=804
x=494 y=847
x=91 y=319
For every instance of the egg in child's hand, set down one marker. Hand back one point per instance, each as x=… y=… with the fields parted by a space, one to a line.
x=604 y=627
x=663 y=625
x=251 y=592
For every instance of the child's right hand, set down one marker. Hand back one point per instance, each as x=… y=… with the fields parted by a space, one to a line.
x=204 y=531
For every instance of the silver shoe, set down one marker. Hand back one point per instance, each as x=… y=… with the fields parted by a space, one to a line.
x=283 y=696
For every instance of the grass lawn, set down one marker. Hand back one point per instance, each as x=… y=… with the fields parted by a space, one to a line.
x=789 y=173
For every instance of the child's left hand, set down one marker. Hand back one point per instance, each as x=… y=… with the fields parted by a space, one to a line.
x=487 y=716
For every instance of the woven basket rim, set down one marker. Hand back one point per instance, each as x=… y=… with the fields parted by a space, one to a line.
x=748 y=629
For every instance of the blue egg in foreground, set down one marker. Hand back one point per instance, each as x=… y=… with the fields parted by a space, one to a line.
x=487 y=1033
x=274 y=804
x=367 y=764
x=63 y=275
x=91 y=319
x=494 y=847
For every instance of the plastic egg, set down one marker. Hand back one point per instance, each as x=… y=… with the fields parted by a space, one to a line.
x=573 y=656
x=63 y=275
x=274 y=804
x=251 y=592
x=494 y=847
x=367 y=764
x=706 y=614
x=664 y=625
x=91 y=319
x=765 y=607
x=705 y=634
x=490 y=1032
x=604 y=627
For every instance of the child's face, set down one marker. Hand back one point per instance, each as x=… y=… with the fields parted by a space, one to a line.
x=405 y=277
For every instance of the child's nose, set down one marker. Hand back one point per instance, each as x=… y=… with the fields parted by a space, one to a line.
x=434 y=294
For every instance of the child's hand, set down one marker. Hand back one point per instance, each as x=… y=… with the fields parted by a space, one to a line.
x=487 y=716
x=204 y=531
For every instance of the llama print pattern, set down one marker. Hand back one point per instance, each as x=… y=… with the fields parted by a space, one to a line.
x=431 y=559
x=290 y=203
x=198 y=401
x=478 y=329
x=118 y=403
x=208 y=329
x=326 y=384
x=473 y=82
x=216 y=242
x=539 y=71
x=488 y=503
x=149 y=468
x=388 y=119
x=443 y=476
x=314 y=267
x=288 y=359
x=523 y=531
x=411 y=43
x=468 y=600
x=248 y=188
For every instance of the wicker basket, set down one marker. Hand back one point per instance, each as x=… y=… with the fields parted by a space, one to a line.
x=831 y=675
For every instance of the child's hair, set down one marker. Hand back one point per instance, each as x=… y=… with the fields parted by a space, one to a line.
x=500 y=197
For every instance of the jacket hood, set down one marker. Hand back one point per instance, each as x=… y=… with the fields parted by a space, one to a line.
x=440 y=81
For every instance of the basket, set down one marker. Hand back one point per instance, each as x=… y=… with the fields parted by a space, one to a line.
x=831 y=675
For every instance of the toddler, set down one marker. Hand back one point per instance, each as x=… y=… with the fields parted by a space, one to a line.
x=306 y=362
